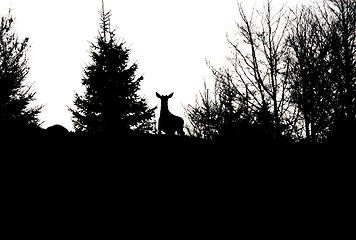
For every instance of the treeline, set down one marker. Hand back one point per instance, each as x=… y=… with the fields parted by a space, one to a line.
x=290 y=77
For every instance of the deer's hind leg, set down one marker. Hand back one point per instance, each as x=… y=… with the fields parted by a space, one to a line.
x=180 y=127
x=159 y=128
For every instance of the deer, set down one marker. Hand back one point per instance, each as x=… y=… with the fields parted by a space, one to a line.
x=167 y=122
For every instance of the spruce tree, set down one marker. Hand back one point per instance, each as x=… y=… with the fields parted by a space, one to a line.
x=110 y=103
x=16 y=114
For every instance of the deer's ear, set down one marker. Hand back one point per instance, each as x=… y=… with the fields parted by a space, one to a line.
x=159 y=96
x=170 y=95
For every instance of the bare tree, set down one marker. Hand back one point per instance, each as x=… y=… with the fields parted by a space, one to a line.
x=311 y=89
x=340 y=16
x=260 y=67
x=322 y=37
x=251 y=94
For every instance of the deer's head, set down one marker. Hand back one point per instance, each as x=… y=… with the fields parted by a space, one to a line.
x=164 y=98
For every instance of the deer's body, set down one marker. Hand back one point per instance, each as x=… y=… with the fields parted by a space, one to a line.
x=168 y=122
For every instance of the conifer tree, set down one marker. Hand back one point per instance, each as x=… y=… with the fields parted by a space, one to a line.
x=15 y=95
x=110 y=102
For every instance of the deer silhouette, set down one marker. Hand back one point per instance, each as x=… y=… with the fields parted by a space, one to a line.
x=168 y=123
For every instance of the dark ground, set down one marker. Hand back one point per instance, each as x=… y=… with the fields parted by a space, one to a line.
x=152 y=152
x=171 y=186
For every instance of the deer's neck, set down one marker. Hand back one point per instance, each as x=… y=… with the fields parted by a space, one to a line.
x=164 y=109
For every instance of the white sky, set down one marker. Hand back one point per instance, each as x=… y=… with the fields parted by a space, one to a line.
x=169 y=39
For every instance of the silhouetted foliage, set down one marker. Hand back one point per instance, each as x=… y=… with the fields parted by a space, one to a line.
x=323 y=41
x=291 y=75
x=253 y=91
x=311 y=90
x=216 y=115
x=15 y=94
x=203 y=116
x=340 y=16
x=111 y=102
